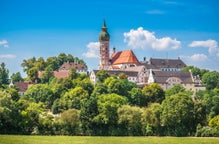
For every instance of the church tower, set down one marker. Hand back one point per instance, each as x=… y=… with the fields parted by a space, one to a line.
x=104 y=38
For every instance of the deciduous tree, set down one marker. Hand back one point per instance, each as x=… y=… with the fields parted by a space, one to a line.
x=178 y=115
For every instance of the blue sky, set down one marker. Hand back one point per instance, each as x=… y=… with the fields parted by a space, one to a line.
x=188 y=29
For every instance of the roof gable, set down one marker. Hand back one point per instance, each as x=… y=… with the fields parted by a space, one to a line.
x=124 y=57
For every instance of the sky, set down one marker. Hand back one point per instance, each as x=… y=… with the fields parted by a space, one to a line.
x=188 y=29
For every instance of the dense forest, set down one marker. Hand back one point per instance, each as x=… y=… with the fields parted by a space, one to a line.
x=112 y=107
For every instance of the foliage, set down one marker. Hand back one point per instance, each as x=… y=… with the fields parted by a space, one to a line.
x=153 y=93
x=107 y=108
x=178 y=115
x=122 y=76
x=33 y=74
x=211 y=79
x=120 y=86
x=16 y=77
x=113 y=106
x=30 y=114
x=102 y=75
x=9 y=116
x=210 y=100
x=14 y=93
x=137 y=98
x=47 y=75
x=151 y=118
x=206 y=131
x=130 y=120
x=70 y=122
x=3 y=74
x=73 y=99
x=106 y=120
x=174 y=90
x=40 y=93
x=195 y=71
x=214 y=122
x=32 y=66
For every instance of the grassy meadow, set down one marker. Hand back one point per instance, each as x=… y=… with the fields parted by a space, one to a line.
x=15 y=139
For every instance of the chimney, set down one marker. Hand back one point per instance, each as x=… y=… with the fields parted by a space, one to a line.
x=144 y=59
x=114 y=49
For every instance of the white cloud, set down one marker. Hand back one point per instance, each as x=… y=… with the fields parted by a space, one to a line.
x=155 y=11
x=4 y=43
x=144 y=39
x=93 y=50
x=8 y=56
x=198 y=57
x=211 y=45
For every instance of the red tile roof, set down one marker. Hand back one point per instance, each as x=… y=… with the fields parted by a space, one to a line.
x=23 y=86
x=61 y=74
x=68 y=66
x=124 y=57
x=57 y=74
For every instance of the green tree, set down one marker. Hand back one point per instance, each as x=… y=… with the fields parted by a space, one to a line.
x=211 y=79
x=70 y=58
x=53 y=63
x=30 y=117
x=33 y=74
x=46 y=124
x=122 y=76
x=16 y=77
x=40 y=93
x=73 y=74
x=195 y=71
x=153 y=93
x=86 y=85
x=210 y=100
x=136 y=97
x=120 y=86
x=99 y=89
x=47 y=75
x=14 y=93
x=70 y=122
x=214 y=122
x=73 y=99
x=178 y=115
x=130 y=120
x=88 y=112
x=174 y=90
x=215 y=106
x=106 y=120
x=151 y=117
x=3 y=74
x=200 y=113
x=28 y=64
x=9 y=115
x=40 y=64
x=102 y=75
x=62 y=57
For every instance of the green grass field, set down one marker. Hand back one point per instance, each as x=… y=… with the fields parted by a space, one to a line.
x=13 y=139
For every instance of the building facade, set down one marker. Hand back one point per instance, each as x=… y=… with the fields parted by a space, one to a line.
x=165 y=72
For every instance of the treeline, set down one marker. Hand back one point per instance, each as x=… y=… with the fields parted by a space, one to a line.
x=32 y=66
x=114 y=106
